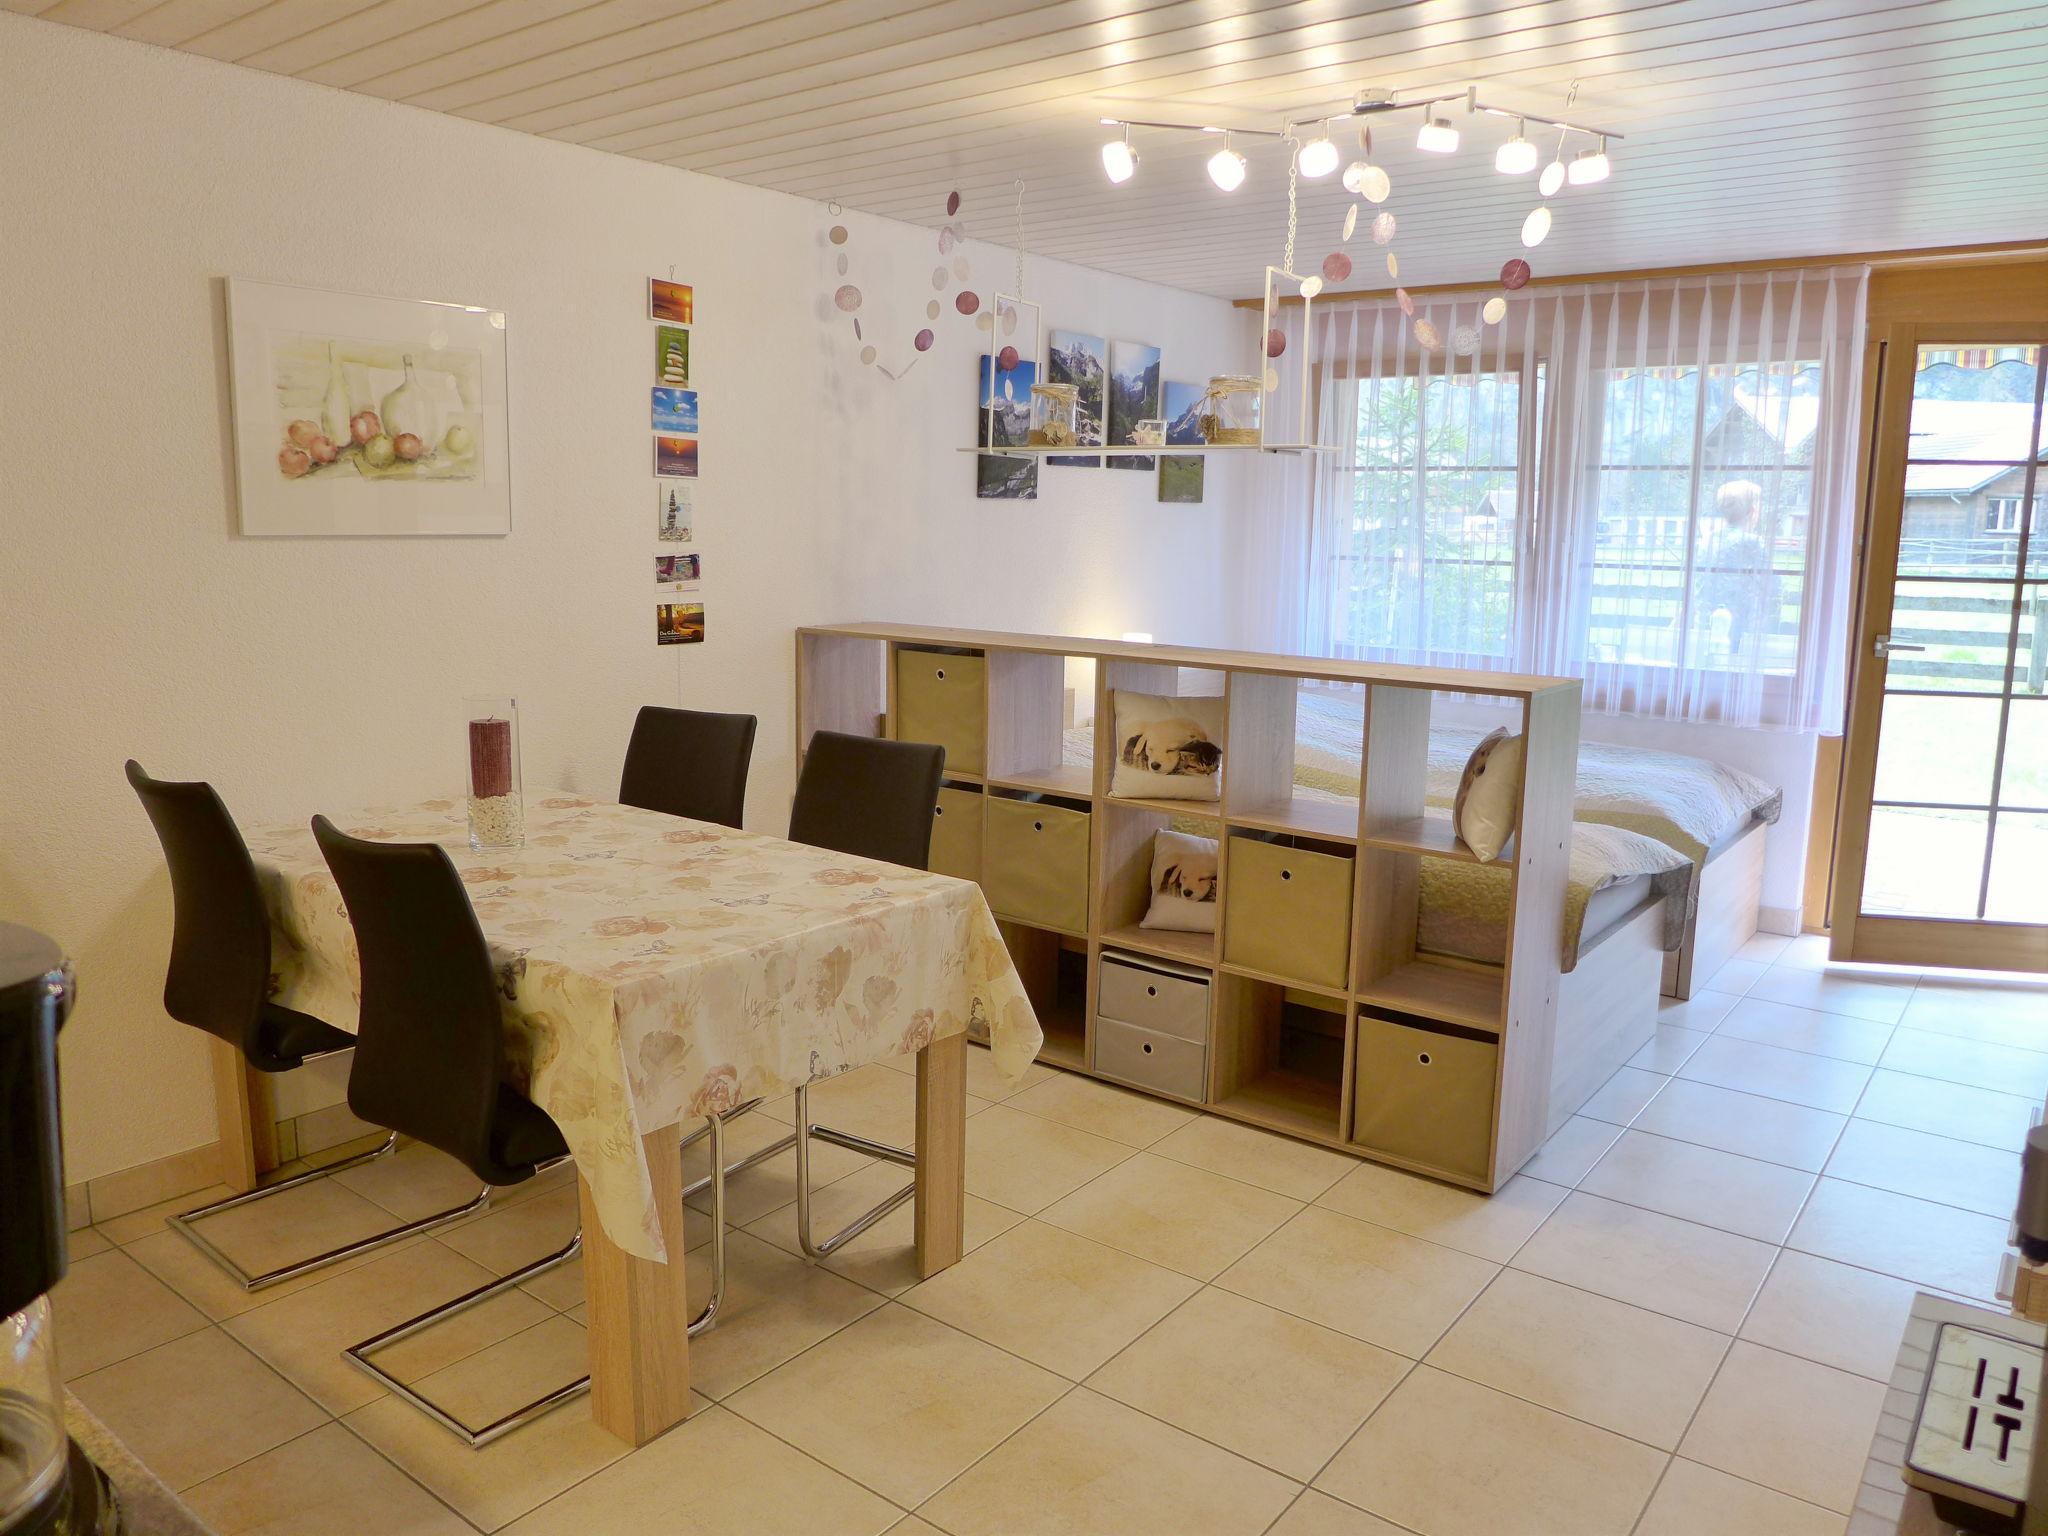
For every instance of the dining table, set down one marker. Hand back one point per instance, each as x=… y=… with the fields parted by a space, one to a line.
x=654 y=971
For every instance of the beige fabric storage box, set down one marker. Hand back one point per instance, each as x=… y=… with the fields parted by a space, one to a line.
x=1424 y=1096
x=1287 y=912
x=1154 y=996
x=941 y=698
x=1034 y=863
x=956 y=834
x=1150 y=1059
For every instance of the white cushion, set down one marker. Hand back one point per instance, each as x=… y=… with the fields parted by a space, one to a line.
x=1490 y=794
x=1167 y=748
x=1183 y=883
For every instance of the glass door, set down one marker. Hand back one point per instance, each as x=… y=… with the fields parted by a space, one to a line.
x=1946 y=756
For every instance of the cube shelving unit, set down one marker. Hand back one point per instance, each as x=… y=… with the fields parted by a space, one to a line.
x=1324 y=1022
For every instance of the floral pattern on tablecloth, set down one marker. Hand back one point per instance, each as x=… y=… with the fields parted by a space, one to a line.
x=656 y=970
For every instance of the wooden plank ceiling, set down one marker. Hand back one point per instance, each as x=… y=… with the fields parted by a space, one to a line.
x=1753 y=130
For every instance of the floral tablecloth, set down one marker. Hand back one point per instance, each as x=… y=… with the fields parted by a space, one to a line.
x=655 y=970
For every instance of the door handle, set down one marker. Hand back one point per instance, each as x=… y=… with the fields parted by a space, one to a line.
x=1884 y=645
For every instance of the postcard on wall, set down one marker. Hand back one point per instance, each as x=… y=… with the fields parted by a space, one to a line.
x=1082 y=361
x=999 y=477
x=685 y=573
x=675 y=519
x=1182 y=475
x=675 y=410
x=1133 y=396
x=361 y=415
x=672 y=356
x=671 y=301
x=678 y=623
x=675 y=456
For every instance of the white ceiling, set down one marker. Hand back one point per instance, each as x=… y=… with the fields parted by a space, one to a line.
x=1760 y=130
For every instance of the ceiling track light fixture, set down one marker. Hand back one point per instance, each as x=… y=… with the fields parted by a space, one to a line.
x=1226 y=166
x=1119 y=160
x=1317 y=156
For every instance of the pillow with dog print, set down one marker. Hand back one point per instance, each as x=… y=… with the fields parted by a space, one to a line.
x=1183 y=883
x=1167 y=748
x=1488 y=792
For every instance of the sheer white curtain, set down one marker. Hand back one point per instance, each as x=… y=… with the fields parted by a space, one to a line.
x=1649 y=485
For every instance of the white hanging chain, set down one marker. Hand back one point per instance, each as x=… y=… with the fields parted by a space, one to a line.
x=1293 y=180
x=1020 y=239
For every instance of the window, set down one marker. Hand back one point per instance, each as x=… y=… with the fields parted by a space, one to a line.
x=1426 y=566
x=1705 y=481
x=2002 y=513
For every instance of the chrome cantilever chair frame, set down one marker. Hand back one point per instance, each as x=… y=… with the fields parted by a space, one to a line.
x=801 y=1139
x=358 y=1355
x=187 y=1223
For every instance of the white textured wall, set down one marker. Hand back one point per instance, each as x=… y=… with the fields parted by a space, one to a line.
x=302 y=675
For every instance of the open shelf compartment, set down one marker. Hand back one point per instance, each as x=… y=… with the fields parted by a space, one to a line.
x=1116 y=746
x=1054 y=970
x=1040 y=710
x=1277 y=1057
x=1124 y=890
x=1278 y=725
x=843 y=685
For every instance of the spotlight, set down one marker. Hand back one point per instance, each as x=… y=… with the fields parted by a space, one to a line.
x=1589 y=166
x=1517 y=157
x=1119 y=160
x=1437 y=136
x=1317 y=158
x=1226 y=168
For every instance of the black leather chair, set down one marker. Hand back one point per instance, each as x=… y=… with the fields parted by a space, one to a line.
x=430 y=1063
x=688 y=762
x=219 y=980
x=871 y=799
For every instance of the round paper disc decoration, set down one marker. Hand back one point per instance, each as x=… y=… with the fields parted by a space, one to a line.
x=1426 y=335
x=838 y=235
x=1393 y=266
x=931 y=309
x=1551 y=179
x=946 y=241
x=1010 y=320
x=847 y=298
x=1311 y=286
x=867 y=354
x=1515 y=275
x=923 y=343
x=1536 y=226
x=960 y=268
x=967 y=301
x=1407 y=304
x=939 y=277
x=1336 y=266
x=1272 y=380
x=1383 y=229
x=1496 y=310
x=985 y=321
x=842 y=263
x=1276 y=342
x=1006 y=359
x=952 y=204
x=1464 y=341
x=1375 y=186
x=857 y=336
x=1351 y=221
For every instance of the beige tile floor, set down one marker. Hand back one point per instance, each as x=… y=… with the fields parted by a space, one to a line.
x=1676 y=1322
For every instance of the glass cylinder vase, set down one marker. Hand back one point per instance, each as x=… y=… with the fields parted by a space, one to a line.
x=1052 y=415
x=1230 y=411
x=497 y=814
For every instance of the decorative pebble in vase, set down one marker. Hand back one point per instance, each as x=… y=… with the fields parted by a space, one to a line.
x=497 y=817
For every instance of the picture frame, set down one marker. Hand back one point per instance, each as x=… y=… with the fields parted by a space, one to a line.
x=1131 y=395
x=361 y=415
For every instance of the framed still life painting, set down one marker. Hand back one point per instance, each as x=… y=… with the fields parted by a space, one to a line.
x=359 y=415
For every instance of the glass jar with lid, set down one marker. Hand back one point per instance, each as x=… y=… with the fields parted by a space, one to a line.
x=1053 y=408
x=1230 y=410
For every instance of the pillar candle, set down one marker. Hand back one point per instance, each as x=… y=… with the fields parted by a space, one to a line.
x=490 y=758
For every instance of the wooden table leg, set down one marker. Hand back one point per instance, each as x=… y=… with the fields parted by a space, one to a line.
x=941 y=1153
x=639 y=1311
x=247 y=1120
